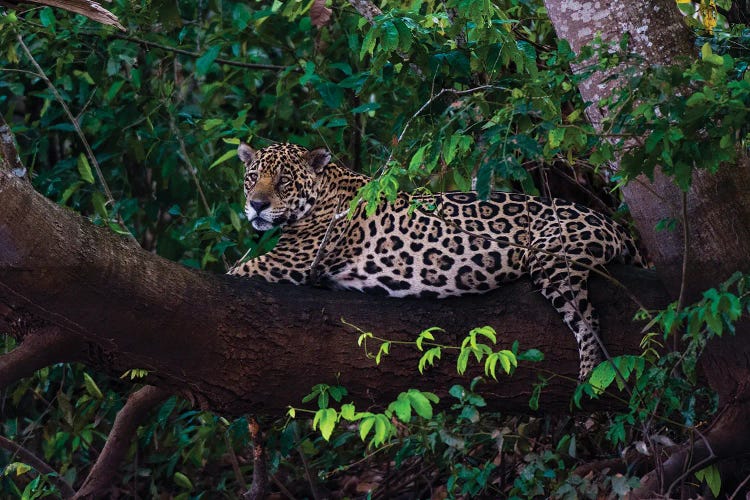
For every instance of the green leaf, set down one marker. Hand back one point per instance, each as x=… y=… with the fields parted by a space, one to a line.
x=602 y=377
x=91 y=386
x=204 y=62
x=331 y=93
x=450 y=148
x=348 y=412
x=490 y=364
x=229 y=154
x=100 y=205
x=428 y=358
x=70 y=191
x=714 y=323
x=417 y=159
x=384 y=350
x=555 y=137
x=505 y=360
x=485 y=331
x=383 y=427
x=420 y=403
x=463 y=361
x=365 y=425
x=235 y=220
x=401 y=408
x=337 y=392
x=534 y=355
x=389 y=36
x=696 y=99
x=327 y=420
x=368 y=44
x=47 y=17
x=712 y=477
x=20 y=468
x=364 y=108
x=84 y=169
x=114 y=89
x=182 y=481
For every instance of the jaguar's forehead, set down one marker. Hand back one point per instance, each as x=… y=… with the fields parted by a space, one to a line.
x=278 y=156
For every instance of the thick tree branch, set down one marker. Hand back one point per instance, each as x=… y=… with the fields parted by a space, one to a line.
x=99 y=480
x=41 y=347
x=239 y=346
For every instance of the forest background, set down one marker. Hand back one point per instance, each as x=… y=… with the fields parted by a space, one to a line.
x=137 y=129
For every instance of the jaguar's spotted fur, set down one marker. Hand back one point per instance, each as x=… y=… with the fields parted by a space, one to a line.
x=454 y=244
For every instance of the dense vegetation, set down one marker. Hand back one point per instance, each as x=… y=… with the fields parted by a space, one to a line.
x=138 y=131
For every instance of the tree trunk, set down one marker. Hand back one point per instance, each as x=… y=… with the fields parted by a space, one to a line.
x=717 y=208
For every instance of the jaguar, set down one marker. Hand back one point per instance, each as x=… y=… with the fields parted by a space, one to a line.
x=432 y=246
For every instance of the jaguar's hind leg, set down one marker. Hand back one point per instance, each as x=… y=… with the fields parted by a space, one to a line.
x=567 y=289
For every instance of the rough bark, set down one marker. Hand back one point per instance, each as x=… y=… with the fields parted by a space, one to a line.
x=239 y=346
x=718 y=206
x=717 y=211
x=366 y=9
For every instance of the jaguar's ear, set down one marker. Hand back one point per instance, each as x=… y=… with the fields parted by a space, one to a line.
x=246 y=153
x=318 y=159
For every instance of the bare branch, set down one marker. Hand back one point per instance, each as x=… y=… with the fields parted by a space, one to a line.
x=126 y=423
x=259 y=489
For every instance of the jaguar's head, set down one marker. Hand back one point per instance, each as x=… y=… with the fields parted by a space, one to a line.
x=280 y=182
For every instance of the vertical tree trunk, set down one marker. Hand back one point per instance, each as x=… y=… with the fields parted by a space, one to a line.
x=716 y=208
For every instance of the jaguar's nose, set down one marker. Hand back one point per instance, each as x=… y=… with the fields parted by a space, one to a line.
x=259 y=205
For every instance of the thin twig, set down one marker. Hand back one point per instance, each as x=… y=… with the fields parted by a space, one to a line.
x=38 y=464
x=739 y=488
x=321 y=249
x=239 y=64
x=308 y=473
x=685 y=254
x=685 y=250
x=711 y=458
x=77 y=127
x=283 y=489
x=235 y=464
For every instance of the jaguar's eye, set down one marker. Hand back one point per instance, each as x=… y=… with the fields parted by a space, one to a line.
x=285 y=182
x=252 y=176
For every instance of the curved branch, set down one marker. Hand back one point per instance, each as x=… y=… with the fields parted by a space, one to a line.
x=40 y=348
x=99 y=479
x=39 y=465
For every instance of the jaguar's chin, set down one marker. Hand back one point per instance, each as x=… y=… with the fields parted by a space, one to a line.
x=263 y=224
